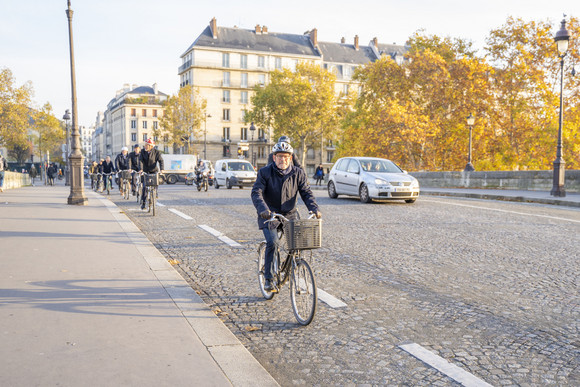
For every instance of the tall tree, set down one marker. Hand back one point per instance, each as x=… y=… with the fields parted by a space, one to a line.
x=301 y=104
x=182 y=119
x=15 y=103
x=50 y=132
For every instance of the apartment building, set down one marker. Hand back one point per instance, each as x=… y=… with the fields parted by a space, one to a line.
x=130 y=119
x=224 y=64
x=87 y=141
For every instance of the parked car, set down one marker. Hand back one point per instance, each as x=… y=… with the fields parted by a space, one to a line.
x=371 y=178
x=234 y=172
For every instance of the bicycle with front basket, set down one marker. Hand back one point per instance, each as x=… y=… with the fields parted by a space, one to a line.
x=295 y=237
x=151 y=181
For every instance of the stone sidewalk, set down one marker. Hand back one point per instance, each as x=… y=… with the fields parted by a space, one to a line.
x=86 y=299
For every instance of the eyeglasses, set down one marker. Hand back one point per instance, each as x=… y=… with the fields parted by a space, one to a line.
x=284 y=157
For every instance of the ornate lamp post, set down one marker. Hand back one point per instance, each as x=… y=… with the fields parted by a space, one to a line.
x=77 y=189
x=470 y=121
x=253 y=130
x=562 y=37
x=66 y=119
x=205 y=136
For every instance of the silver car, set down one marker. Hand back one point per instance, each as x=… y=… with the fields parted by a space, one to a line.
x=371 y=178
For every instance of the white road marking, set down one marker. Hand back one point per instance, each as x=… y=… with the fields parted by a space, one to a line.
x=454 y=372
x=160 y=204
x=179 y=213
x=330 y=300
x=219 y=235
x=506 y=211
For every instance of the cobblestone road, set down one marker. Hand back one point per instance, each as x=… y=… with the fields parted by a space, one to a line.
x=491 y=287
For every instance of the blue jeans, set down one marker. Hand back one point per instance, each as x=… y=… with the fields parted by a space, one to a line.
x=271 y=243
x=1 y=179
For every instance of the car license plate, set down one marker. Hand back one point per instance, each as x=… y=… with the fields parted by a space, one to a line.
x=403 y=189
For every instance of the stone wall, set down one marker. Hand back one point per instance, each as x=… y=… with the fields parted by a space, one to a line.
x=15 y=180
x=519 y=180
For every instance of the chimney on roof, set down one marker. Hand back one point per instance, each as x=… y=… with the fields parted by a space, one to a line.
x=376 y=42
x=342 y=40
x=356 y=42
x=155 y=88
x=213 y=28
x=314 y=37
x=258 y=29
x=265 y=30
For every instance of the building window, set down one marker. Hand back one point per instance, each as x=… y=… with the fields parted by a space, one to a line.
x=243 y=61
x=261 y=62
x=165 y=149
x=133 y=124
x=166 y=138
x=144 y=136
x=244 y=98
x=226 y=115
x=226 y=96
x=154 y=112
x=144 y=112
x=310 y=154
x=225 y=59
x=329 y=156
x=155 y=125
x=226 y=133
x=345 y=89
x=133 y=137
x=243 y=115
x=155 y=138
x=144 y=124
x=260 y=133
x=226 y=81
x=262 y=79
x=244 y=82
x=133 y=112
x=278 y=63
x=244 y=134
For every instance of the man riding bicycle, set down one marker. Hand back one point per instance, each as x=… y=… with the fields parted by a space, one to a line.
x=122 y=164
x=135 y=165
x=149 y=159
x=276 y=189
x=107 y=168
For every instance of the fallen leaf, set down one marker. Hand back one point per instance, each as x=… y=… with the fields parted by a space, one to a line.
x=251 y=329
x=174 y=262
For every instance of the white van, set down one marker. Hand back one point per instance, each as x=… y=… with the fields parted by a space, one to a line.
x=234 y=172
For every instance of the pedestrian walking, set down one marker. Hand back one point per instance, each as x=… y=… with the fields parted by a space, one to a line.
x=51 y=173
x=32 y=173
x=3 y=167
x=319 y=174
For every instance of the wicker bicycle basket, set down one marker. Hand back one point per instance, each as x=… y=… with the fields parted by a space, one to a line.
x=152 y=179
x=125 y=175
x=303 y=234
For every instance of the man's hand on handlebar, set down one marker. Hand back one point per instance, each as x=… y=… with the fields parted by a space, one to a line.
x=265 y=214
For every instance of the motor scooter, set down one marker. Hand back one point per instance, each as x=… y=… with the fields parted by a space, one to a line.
x=202 y=181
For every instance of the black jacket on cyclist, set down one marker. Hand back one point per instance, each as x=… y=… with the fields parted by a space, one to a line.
x=278 y=190
x=107 y=167
x=122 y=162
x=134 y=162
x=150 y=159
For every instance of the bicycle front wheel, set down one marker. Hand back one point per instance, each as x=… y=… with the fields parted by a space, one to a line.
x=261 y=264
x=153 y=199
x=303 y=292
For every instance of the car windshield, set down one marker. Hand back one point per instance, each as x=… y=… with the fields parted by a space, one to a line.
x=372 y=165
x=239 y=166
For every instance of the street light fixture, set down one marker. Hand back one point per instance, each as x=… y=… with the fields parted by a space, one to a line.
x=77 y=189
x=253 y=130
x=66 y=152
x=205 y=136
x=470 y=121
x=562 y=38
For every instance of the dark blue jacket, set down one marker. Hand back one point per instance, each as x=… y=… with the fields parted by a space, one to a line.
x=122 y=162
x=277 y=192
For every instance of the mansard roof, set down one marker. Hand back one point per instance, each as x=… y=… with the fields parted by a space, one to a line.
x=346 y=53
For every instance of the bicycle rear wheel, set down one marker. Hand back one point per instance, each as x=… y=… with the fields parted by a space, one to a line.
x=303 y=292
x=261 y=280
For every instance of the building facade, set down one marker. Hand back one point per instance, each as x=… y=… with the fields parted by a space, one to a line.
x=130 y=119
x=224 y=64
x=87 y=141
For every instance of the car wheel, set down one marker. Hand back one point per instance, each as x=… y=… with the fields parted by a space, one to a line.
x=332 y=190
x=410 y=201
x=228 y=184
x=216 y=185
x=171 y=179
x=363 y=193
x=241 y=187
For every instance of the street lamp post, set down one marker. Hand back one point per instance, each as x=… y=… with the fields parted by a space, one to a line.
x=66 y=119
x=77 y=190
x=562 y=37
x=470 y=121
x=253 y=130
x=205 y=136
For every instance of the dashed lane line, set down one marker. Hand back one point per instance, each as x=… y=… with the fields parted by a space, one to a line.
x=329 y=299
x=160 y=204
x=181 y=214
x=451 y=370
x=219 y=235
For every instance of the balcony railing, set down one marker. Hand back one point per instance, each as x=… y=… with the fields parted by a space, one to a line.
x=219 y=65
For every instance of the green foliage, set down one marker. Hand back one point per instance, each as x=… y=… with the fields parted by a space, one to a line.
x=15 y=103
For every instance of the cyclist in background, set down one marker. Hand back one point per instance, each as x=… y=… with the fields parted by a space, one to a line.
x=135 y=165
x=93 y=170
x=122 y=164
x=276 y=189
x=107 y=167
x=149 y=159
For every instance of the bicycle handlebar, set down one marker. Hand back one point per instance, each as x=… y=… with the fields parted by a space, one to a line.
x=285 y=219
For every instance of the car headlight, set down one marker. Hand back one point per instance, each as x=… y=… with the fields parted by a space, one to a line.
x=415 y=183
x=381 y=182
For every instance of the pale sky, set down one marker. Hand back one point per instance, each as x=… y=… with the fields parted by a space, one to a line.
x=141 y=41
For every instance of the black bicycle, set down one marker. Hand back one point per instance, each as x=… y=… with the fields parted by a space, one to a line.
x=294 y=236
x=125 y=183
x=151 y=181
